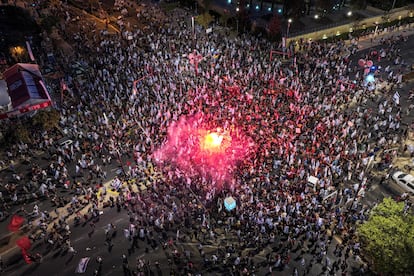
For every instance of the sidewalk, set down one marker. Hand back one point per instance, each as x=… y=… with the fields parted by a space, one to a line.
x=373 y=40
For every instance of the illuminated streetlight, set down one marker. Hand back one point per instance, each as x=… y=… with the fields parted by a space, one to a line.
x=237 y=18
x=376 y=27
x=316 y=16
x=288 y=27
x=192 y=25
x=349 y=13
x=17 y=52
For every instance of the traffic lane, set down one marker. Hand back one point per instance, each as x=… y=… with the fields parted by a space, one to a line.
x=94 y=246
x=406 y=52
x=112 y=259
x=112 y=265
x=45 y=203
x=86 y=246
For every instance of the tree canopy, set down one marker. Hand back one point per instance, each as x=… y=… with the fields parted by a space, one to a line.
x=274 y=26
x=387 y=5
x=204 y=19
x=46 y=119
x=388 y=238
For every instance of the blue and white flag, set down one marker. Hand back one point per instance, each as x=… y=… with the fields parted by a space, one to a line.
x=396 y=97
x=82 y=265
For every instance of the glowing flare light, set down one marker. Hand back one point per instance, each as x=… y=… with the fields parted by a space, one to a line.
x=199 y=150
x=213 y=142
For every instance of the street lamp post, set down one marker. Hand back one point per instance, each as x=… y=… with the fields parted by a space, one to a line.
x=393 y=5
x=192 y=26
x=237 y=19
x=288 y=27
x=284 y=42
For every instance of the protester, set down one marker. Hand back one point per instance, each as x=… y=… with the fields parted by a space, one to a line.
x=307 y=119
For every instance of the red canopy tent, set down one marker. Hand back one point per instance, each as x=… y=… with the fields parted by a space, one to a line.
x=26 y=89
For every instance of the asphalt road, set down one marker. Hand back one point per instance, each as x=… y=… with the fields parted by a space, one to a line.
x=389 y=188
x=54 y=263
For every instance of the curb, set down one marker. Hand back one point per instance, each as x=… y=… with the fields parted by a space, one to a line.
x=14 y=249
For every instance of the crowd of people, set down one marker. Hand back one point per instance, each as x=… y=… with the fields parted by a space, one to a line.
x=313 y=115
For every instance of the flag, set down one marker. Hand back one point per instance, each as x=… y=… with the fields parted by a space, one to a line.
x=15 y=223
x=26 y=257
x=296 y=94
x=63 y=85
x=29 y=50
x=82 y=265
x=24 y=243
x=396 y=97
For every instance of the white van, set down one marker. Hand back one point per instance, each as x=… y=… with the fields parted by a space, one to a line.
x=404 y=180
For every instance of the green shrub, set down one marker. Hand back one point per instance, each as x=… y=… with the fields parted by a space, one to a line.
x=49 y=22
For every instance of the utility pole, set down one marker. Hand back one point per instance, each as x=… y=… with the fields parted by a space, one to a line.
x=393 y=4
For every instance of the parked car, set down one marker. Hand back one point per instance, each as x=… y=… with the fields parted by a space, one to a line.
x=404 y=180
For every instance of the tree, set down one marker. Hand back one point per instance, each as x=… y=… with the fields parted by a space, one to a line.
x=54 y=4
x=388 y=238
x=93 y=5
x=15 y=133
x=224 y=18
x=387 y=5
x=275 y=26
x=294 y=8
x=47 y=120
x=49 y=22
x=358 y=4
x=206 y=4
x=324 y=5
x=204 y=19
